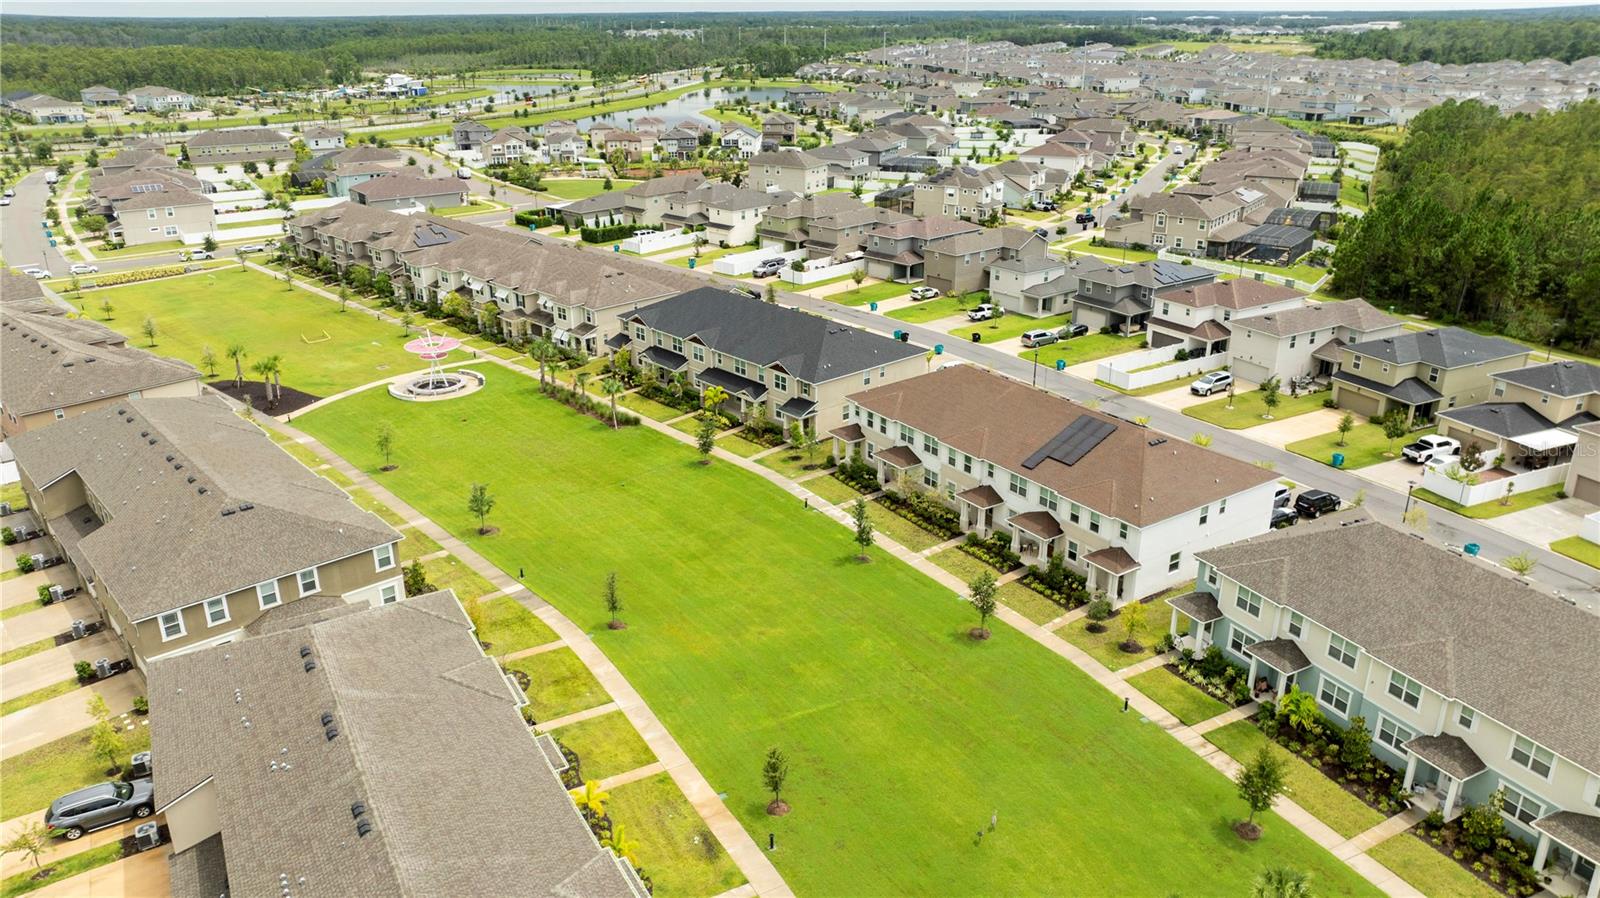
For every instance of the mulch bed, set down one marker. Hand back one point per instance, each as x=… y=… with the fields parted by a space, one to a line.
x=289 y=402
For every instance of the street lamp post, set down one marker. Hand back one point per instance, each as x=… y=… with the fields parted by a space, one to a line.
x=1036 y=367
x=1411 y=486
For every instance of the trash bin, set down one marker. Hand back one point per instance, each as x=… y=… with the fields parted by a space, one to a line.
x=872 y=306
x=616 y=247
x=1061 y=364
x=977 y=337
x=692 y=260
x=1471 y=548
x=1338 y=459
x=938 y=349
x=897 y=333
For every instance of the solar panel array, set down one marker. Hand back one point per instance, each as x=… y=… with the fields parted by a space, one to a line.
x=1074 y=442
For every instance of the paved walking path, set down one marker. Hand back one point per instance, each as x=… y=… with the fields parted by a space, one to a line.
x=145 y=875
x=577 y=716
x=1147 y=664
x=536 y=650
x=1232 y=715
x=1382 y=832
x=633 y=776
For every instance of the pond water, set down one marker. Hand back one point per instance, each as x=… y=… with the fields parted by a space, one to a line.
x=688 y=106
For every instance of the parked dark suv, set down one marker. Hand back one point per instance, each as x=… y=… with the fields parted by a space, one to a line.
x=99 y=806
x=1312 y=503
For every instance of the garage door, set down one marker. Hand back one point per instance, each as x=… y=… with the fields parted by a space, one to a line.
x=1094 y=318
x=1250 y=371
x=1356 y=402
x=1587 y=489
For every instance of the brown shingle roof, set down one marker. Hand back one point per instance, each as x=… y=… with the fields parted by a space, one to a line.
x=1240 y=293
x=55 y=362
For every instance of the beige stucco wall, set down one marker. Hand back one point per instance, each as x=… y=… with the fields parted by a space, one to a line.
x=193 y=818
x=25 y=423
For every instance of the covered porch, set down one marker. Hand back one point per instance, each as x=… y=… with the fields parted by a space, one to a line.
x=1199 y=607
x=977 y=509
x=742 y=391
x=797 y=410
x=1108 y=571
x=666 y=361
x=895 y=461
x=1035 y=534
x=1436 y=769
x=847 y=441
x=1206 y=338
x=1569 y=852
x=1273 y=665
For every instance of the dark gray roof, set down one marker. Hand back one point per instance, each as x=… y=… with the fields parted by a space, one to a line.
x=1409 y=391
x=201 y=871
x=1282 y=655
x=437 y=738
x=1276 y=236
x=797 y=407
x=1580 y=832
x=1564 y=378
x=666 y=358
x=1510 y=419
x=809 y=347
x=1457 y=626
x=1450 y=754
x=1446 y=347
x=733 y=383
x=902 y=457
x=1197 y=606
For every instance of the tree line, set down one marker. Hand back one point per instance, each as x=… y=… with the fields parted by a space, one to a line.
x=1487 y=220
x=1466 y=41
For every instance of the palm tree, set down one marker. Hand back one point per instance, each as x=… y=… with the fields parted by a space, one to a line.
x=544 y=352
x=275 y=363
x=583 y=381
x=236 y=351
x=263 y=370
x=612 y=387
x=1281 y=882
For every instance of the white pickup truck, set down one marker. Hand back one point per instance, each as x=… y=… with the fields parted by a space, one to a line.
x=1431 y=448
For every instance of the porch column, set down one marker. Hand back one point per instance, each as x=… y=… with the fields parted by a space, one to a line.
x=1411 y=772
x=1172 y=628
x=1252 y=680
x=1451 y=796
x=1594 y=886
x=1201 y=635
x=1283 y=682
x=1542 y=853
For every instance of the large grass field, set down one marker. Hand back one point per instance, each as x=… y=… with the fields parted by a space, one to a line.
x=879 y=292
x=247 y=307
x=750 y=625
x=581 y=188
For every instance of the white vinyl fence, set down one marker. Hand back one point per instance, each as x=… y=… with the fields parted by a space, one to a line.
x=741 y=264
x=646 y=242
x=1477 y=493
x=1121 y=371
x=814 y=272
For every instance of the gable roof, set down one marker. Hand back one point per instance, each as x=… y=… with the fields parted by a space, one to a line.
x=1564 y=378
x=1239 y=293
x=232 y=137
x=1446 y=347
x=397 y=186
x=57 y=362
x=805 y=346
x=1355 y=314
x=1457 y=626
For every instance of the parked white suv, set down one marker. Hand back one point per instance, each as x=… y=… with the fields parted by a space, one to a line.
x=1429 y=449
x=1211 y=383
x=984 y=312
x=923 y=293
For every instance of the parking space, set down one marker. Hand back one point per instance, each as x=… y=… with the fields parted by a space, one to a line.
x=1544 y=524
x=1179 y=398
x=1397 y=475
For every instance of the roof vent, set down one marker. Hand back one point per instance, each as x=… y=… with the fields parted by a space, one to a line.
x=226 y=512
x=152 y=441
x=305 y=651
x=1158 y=441
x=327 y=718
x=170 y=456
x=331 y=732
x=357 y=808
x=189 y=479
x=363 y=827
x=144 y=433
x=202 y=490
x=246 y=506
x=311 y=664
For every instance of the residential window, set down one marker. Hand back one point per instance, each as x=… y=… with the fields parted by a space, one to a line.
x=1222 y=507
x=930 y=479
x=907 y=435
x=1122 y=530
x=1433 y=375
x=388 y=594
x=1405 y=689
x=1297 y=625
x=1048 y=498
x=268 y=594
x=1293 y=338
x=805 y=389
x=1519 y=806
x=698 y=352
x=966 y=463
x=950 y=490
x=1466 y=718
x=1205 y=513
x=308 y=581
x=1530 y=754
x=1393 y=734
x=930 y=445
x=1240 y=639
x=384 y=556
x=1499 y=388
x=872 y=420
x=216 y=611
x=989 y=466
x=639 y=333
x=1094 y=521
x=739 y=367
x=1174 y=562
x=1072 y=550
x=1160 y=240
x=1018 y=486
x=677 y=345
x=1342 y=650
x=1335 y=697
x=950 y=458
x=1355 y=363
x=172 y=625
x=780 y=382
x=1249 y=601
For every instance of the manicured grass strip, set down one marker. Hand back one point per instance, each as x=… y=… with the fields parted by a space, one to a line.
x=1428 y=871
x=29 y=699
x=1578 y=548
x=38 y=776
x=561 y=684
x=832 y=490
x=671 y=843
x=509 y=627
x=1013 y=595
x=1008 y=326
x=8 y=573
x=1249 y=407
x=1494 y=508
x=15 y=610
x=416 y=544
x=1103 y=646
x=1186 y=703
x=930 y=309
x=1078 y=350
x=23 y=651
x=337 y=478
x=793 y=463
x=606 y=745
x=65 y=868
x=581 y=188
x=740 y=446
x=902 y=531
x=369 y=502
x=12 y=493
x=450 y=573
x=657 y=411
x=1306 y=785
x=1366 y=446
x=1152 y=389
x=860 y=296
x=301 y=454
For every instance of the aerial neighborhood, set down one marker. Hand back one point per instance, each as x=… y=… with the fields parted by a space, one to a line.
x=546 y=468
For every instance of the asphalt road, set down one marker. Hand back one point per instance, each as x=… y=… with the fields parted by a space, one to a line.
x=22 y=239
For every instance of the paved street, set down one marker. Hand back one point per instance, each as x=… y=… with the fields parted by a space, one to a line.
x=22 y=240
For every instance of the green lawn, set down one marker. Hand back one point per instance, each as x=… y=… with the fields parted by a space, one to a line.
x=1116 y=254
x=740 y=446
x=1323 y=798
x=12 y=494
x=902 y=531
x=23 y=651
x=903 y=735
x=561 y=684
x=670 y=841
x=792 y=463
x=1086 y=348
x=1579 y=548
x=1014 y=595
x=860 y=296
x=416 y=544
x=831 y=489
x=509 y=627
x=1186 y=702
x=1353 y=192
x=1366 y=445
x=580 y=188
x=606 y=745
x=58 y=870
x=31 y=780
x=368 y=501
x=15 y=610
x=1250 y=405
x=243 y=306
x=1494 y=507
x=29 y=699
x=1103 y=646
x=649 y=408
x=707 y=256
x=932 y=309
x=1007 y=326
x=449 y=572
x=1428 y=871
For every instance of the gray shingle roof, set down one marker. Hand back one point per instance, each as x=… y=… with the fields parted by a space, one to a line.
x=424 y=745
x=1509 y=419
x=161 y=538
x=1282 y=655
x=1457 y=626
x=808 y=347
x=56 y=362
x=1356 y=314
x=1564 y=378
x=1580 y=832
x=233 y=137
x=1450 y=754
x=1409 y=391
x=1446 y=347
x=1197 y=606
x=390 y=187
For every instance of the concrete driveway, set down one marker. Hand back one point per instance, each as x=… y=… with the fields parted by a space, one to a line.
x=1544 y=524
x=1397 y=475
x=45 y=621
x=1179 y=398
x=1284 y=431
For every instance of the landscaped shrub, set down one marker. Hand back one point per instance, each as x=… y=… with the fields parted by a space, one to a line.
x=1502 y=861
x=83 y=670
x=994 y=551
x=925 y=512
x=25 y=563
x=588 y=405
x=610 y=232
x=858 y=475
x=7 y=535
x=1058 y=583
x=1215 y=675
x=45 y=595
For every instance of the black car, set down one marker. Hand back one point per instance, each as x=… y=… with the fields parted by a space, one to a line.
x=1284 y=516
x=1312 y=503
x=1084 y=218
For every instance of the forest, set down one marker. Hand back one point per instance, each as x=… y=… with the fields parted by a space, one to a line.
x=1489 y=221
x=1452 y=41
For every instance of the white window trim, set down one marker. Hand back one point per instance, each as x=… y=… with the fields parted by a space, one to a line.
x=1534 y=748
x=227 y=613
x=1404 y=684
x=1377 y=732
x=1349 y=696
x=161 y=621
x=261 y=598
x=377 y=559
x=386 y=588
x=300 y=586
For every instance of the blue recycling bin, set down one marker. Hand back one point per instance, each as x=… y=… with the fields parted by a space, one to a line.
x=692 y=260
x=873 y=306
x=1338 y=459
x=1061 y=364
x=616 y=247
x=1471 y=548
x=938 y=349
x=897 y=333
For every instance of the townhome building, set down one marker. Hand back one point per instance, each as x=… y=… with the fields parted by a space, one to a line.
x=47 y=110
x=340 y=170
x=960 y=192
x=1423 y=373
x=1022 y=184
x=1467 y=679
x=396 y=191
x=964 y=263
x=1118 y=502
x=319 y=140
x=161 y=216
x=59 y=367
x=740 y=140
x=1532 y=416
x=1303 y=341
x=99 y=95
x=728 y=214
x=184 y=523
x=790 y=170
x=226 y=145
x=109 y=190
x=467 y=134
x=137 y=159
x=1198 y=317
x=296 y=722
x=789 y=365
x=1121 y=297
x=838 y=235
x=787 y=225
x=894 y=252
x=847 y=166
x=508 y=146
x=1181 y=223
x=647 y=201
x=152 y=98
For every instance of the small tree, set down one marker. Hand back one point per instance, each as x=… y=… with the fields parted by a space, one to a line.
x=1281 y=882
x=417 y=579
x=1521 y=565
x=1394 y=427
x=1133 y=622
x=30 y=840
x=106 y=308
x=1511 y=487
x=344 y=298
x=406 y=320
x=1270 y=397
x=149 y=329
x=983 y=591
x=1347 y=423
x=1416 y=518
x=858 y=276
x=480 y=503
x=1355 y=748
x=705 y=437
x=1260 y=783
x=385 y=443
x=613 y=387
x=105 y=741
x=236 y=353
x=208 y=360
x=209 y=244
x=864 y=528
x=613 y=602
x=774 y=774
x=594 y=798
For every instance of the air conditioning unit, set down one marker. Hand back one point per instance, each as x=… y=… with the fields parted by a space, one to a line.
x=140 y=764
x=5 y=509
x=79 y=629
x=39 y=561
x=57 y=592
x=147 y=836
x=102 y=668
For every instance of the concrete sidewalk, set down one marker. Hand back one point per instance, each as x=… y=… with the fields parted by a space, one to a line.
x=46 y=621
x=66 y=714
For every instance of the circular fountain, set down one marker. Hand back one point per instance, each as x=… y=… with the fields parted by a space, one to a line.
x=436 y=382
